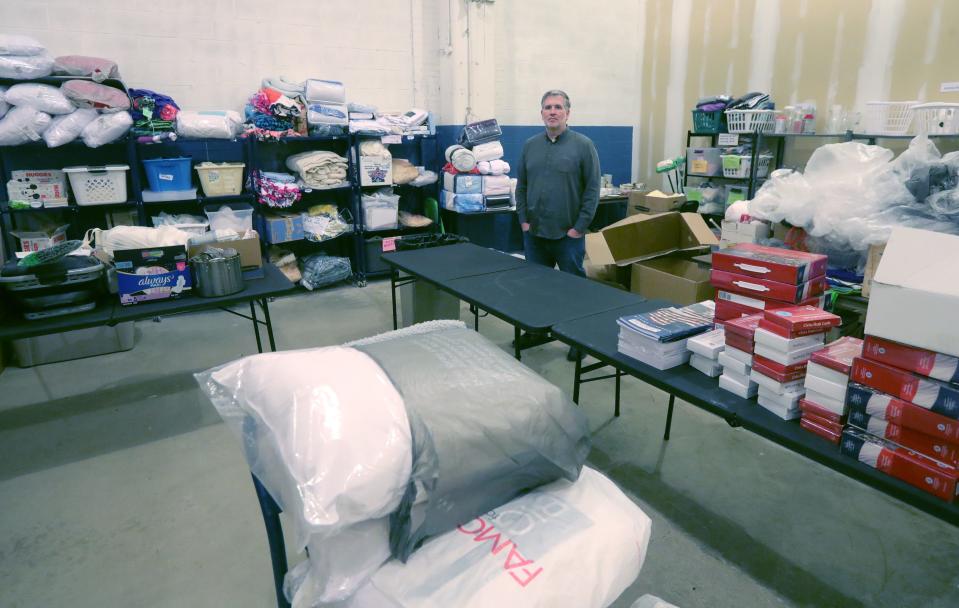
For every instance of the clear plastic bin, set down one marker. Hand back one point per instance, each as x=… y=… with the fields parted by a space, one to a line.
x=230 y=216
x=380 y=212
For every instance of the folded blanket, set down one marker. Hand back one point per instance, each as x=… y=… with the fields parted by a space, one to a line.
x=491 y=150
x=403 y=171
x=493 y=167
x=318 y=168
x=374 y=147
x=497 y=184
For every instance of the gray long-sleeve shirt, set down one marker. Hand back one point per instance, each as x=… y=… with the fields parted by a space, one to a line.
x=558 y=184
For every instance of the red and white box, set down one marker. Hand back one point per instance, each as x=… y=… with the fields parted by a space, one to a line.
x=939 y=397
x=738 y=342
x=734 y=305
x=813 y=424
x=772 y=263
x=877 y=404
x=778 y=371
x=791 y=358
x=839 y=355
x=739 y=332
x=837 y=406
x=907 y=438
x=764 y=288
x=798 y=321
x=937 y=478
x=813 y=409
x=773 y=385
x=918 y=360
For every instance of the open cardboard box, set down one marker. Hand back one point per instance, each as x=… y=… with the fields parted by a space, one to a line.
x=655 y=202
x=672 y=279
x=249 y=250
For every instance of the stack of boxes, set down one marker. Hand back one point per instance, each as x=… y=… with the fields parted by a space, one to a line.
x=752 y=278
x=785 y=340
x=827 y=377
x=487 y=187
x=705 y=349
x=736 y=358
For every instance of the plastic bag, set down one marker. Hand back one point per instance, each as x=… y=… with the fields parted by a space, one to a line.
x=40 y=97
x=107 y=128
x=4 y=106
x=25 y=67
x=324 y=430
x=510 y=431
x=134 y=237
x=21 y=125
x=214 y=124
x=86 y=94
x=80 y=65
x=65 y=128
x=18 y=44
x=320 y=270
x=374 y=147
x=325 y=222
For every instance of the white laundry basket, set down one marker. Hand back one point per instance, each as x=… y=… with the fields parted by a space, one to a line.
x=102 y=185
x=936 y=118
x=750 y=121
x=888 y=117
x=738 y=165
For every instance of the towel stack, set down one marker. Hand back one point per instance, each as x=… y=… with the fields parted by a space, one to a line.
x=319 y=169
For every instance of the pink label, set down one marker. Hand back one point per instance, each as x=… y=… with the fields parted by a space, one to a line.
x=389 y=244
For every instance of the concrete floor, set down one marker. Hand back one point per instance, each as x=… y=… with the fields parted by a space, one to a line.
x=119 y=485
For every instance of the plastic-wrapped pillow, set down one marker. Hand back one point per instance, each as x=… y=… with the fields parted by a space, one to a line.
x=215 y=124
x=22 y=125
x=80 y=65
x=106 y=128
x=25 y=67
x=18 y=44
x=86 y=94
x=4 y=106
x=65 y=128
x=40 y=97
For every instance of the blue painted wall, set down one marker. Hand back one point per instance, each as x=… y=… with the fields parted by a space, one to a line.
x=613 y=144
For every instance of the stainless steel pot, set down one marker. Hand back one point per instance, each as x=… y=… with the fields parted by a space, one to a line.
x=216 y=272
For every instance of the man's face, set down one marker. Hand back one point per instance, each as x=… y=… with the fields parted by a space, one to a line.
x=554 y=112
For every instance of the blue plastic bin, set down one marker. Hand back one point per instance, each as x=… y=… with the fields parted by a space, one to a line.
x=165 y=174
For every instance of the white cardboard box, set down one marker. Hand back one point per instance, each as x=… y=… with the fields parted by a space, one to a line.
x=915 y=293
x=376 y=171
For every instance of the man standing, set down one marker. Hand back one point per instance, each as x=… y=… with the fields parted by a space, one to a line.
x=557 y=191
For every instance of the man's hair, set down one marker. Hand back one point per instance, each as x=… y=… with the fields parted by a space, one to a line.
x=555 y=93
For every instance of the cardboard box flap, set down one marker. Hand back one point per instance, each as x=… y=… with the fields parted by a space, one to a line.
x=643 y=237
x=596 y=250
x=697 y=232
x=921 y=260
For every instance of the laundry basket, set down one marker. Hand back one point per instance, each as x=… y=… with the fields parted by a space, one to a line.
x=750 y=121
x=738 y=165
x=708 y=122
x=888 y=117
x=101 y=185
x=221 y=179
x=936 y=118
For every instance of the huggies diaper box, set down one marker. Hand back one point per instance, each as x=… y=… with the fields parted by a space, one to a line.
x=154 y=273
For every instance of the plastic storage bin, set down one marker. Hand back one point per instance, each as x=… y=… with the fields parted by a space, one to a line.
x=708 y=122
x=750 y=121
x=888 y=117
x=230 y=216
x=101 y=185
x=168 y=173
x=936 y=118
x=704 y=161
x=74 y=344
x=221 y=179
x=738 y=165
x=380 y=211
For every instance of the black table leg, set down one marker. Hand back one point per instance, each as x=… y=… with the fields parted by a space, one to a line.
x=393 y=274
x=576 y=380
x=475 y=310
x=516 y=348
x=269 y=324
x=256 y=327
x=619 y=374
x=669 y=417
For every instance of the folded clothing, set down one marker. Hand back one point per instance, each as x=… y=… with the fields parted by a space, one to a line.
x=491 y=150
x=493 y=167
x=287 y=87
x=318 y=168
x=497 y=184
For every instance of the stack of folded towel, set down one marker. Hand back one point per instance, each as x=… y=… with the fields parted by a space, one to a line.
x=319 y=169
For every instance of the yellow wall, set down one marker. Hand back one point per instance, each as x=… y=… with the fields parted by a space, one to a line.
x=827 y=51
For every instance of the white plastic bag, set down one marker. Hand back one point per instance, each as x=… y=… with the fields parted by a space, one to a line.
x=106 y=128
x=215 y=124
x=97 y=68
x=40 y=97
x=325 y=432
x=22 y=125
x=325 y=90
x=327 y=113
x=134 y=237
x=25 y=67
x=65 y=128
x=4 y=106
x=18 y=44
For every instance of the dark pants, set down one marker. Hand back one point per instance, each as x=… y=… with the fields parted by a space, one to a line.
x=567 y=252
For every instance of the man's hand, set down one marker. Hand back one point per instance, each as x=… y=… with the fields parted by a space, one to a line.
x=525 y=226
x=571 y=233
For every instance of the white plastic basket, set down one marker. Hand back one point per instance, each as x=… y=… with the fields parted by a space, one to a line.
x=738 y=165
x=936 y=118
x=221 y=179
x=101 y=185
x=888 y=117
x=750 y=121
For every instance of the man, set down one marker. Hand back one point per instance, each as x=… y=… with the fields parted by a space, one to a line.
x=557 y=191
